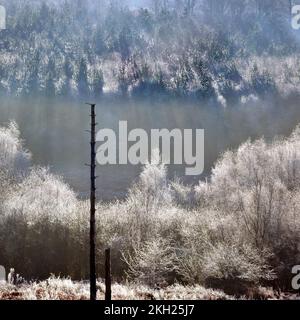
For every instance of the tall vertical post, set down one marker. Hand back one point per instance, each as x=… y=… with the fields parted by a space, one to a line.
x=93 y=290
x=107 y=276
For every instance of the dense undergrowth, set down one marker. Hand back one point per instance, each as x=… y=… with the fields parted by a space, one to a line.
x=66 y=289
x=236 y=231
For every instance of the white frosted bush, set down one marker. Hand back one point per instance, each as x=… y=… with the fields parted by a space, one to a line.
x=231 y=262
x=42 y=195
x=258 y=180
x=152 y=263
x=13 y=157
x=147 y=199
x=259 y=185
x=201 y=231
x=182 y=194
x=152 y=189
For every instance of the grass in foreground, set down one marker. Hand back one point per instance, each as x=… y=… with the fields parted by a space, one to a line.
x=66 y=289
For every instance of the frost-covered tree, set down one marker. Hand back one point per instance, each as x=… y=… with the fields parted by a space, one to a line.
x=50 y=78
x=153 y=263
x=42 y=195
x=14 y=158
x=98 y=83
x=82 y=78
x=202 y=49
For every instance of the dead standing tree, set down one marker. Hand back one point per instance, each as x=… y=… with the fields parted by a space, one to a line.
x=92 y=165
x=93 y=289
x=107 y=275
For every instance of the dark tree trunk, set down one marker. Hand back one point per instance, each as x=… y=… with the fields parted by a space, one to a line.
x=107 y=275
x=93 y=290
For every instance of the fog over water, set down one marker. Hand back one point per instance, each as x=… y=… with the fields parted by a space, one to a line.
x=54 y=131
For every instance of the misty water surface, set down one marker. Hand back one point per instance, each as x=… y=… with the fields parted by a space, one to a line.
x=54 y=131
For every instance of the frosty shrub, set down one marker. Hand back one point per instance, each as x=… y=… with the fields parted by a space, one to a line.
x=182 y=195
x=152 y=186
x=147 y=198
x=42 y=195
x=236 y=264
x=153 y=263
x=14 y=159
x=262 y=82
x=214 y=249
x=38 y=225
x=259 y=184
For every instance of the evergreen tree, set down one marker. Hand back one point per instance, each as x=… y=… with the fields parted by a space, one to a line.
x=99 y=43
x=33 y=74
x=98 y=83
x=50 y=86
x=50 y=78
x=68 y=76
x=82 y=79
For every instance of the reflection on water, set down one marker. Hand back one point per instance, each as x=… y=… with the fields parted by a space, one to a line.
x=54 y=131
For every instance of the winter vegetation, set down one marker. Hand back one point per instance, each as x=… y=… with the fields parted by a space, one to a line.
x=235 y=235
x=237 y=232
x=220 y=50
x=65 y=289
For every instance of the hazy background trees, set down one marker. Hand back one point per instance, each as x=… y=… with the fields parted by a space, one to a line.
x=179 y=47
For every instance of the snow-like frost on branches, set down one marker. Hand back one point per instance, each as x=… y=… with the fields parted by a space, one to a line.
x=13 y=157
x=40 y=196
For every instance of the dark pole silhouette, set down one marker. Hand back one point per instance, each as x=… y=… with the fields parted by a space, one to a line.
x=107 y=276
x=93 y=289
